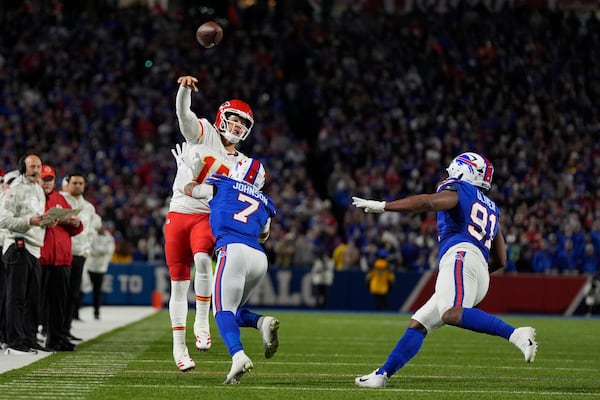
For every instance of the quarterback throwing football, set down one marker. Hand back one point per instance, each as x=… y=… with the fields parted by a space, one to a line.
x=188 y=237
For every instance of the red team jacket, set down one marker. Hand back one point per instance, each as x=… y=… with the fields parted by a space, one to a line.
x=57 y=241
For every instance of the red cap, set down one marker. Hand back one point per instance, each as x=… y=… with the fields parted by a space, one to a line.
x=47 y=171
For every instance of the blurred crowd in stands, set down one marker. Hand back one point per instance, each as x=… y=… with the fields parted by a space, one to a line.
x=358 y=103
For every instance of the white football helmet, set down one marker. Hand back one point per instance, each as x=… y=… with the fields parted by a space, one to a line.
x=249 y=170
x=472 y=168
x=240 y=109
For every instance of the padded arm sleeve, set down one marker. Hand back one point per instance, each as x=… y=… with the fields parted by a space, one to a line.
x=203 y=191
x=188 y=121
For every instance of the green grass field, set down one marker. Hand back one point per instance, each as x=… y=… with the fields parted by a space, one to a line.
x=318 y=358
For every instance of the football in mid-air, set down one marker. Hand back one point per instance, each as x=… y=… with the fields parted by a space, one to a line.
x=209 y=34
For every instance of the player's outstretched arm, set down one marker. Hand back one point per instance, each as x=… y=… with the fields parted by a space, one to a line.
x=188 y=121
x=444 y=200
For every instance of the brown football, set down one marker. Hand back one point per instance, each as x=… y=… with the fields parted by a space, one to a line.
x=209 y=34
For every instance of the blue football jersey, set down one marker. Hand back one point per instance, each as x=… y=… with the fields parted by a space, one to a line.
x=473 y=220
x=238 y=212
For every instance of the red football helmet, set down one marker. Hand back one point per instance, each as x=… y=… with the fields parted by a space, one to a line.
x=236 y=132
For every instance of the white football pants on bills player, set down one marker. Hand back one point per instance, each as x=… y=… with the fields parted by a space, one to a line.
x=463 y=281
x=240 y=270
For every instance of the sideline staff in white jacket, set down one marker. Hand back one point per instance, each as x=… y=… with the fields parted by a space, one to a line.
x=22 y=215
x=76 y=184
x=96 y=264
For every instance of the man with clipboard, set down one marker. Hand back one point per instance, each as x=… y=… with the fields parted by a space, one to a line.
x=56 y=263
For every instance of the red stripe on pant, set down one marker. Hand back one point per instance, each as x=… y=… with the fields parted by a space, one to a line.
x=219 y=279
x=459 y=288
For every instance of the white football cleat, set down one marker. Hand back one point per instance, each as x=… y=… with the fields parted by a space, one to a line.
x=184 y=362
x=203 y=341
x=241 y=364
x=373 y=380
x=524 y=339
x=269 y=329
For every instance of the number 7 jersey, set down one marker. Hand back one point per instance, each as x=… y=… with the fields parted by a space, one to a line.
x=238 y=212
x=474 y=219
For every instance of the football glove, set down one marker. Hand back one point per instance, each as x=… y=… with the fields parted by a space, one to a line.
x=178 y=154
x=370 y=206
x=192 y=166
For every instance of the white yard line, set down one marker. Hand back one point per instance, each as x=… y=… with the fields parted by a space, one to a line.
x=111 y=317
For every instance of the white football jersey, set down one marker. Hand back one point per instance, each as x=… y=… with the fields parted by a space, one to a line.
x=215 y=160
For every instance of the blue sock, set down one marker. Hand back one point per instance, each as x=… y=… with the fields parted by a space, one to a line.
x=230 y=331
x=246 y=318
x=479 y=321
x=406 y=348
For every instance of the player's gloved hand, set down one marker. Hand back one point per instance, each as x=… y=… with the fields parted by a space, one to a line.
x=178 y=154
x=192 y=166
x=370 y=206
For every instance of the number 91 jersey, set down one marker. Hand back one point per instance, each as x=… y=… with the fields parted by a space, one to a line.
x=473 y=220
x=238 y=212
